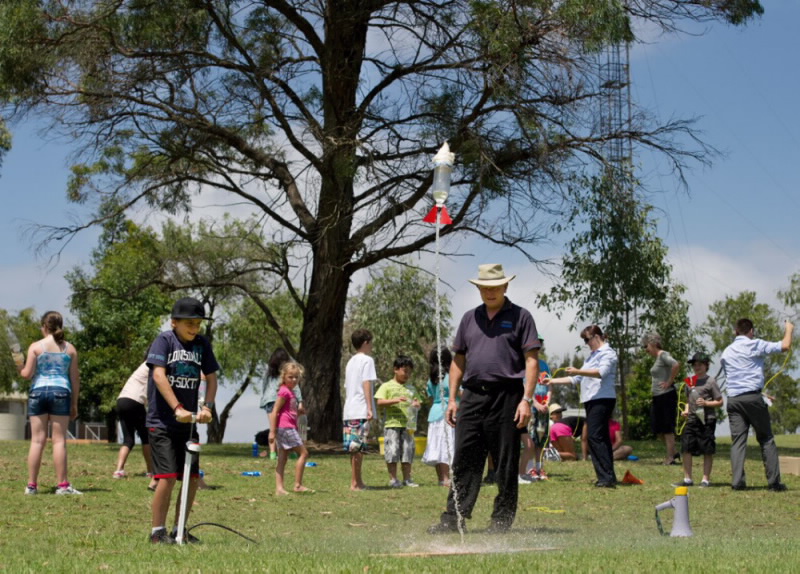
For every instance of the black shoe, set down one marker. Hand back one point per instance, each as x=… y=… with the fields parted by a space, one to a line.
x=490 y=478
x=604 y=484
x=498 y=528
x=160 y=536
x=777 y=487
x=740 y=486
x=186 y=536
x=445 y=528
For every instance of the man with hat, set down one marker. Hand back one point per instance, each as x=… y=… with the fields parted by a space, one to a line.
x=743 y=362
x=703 y=399
x=495 y=362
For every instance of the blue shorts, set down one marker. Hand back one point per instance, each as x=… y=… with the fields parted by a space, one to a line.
x=54 y=401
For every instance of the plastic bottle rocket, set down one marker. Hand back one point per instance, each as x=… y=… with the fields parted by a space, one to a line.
x=680 y=522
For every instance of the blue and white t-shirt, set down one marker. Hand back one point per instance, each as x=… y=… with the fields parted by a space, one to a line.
x=183 y=363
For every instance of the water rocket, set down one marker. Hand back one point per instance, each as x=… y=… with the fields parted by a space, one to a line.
x=440 y=188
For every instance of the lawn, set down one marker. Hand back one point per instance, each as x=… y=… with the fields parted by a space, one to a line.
x=563 y=524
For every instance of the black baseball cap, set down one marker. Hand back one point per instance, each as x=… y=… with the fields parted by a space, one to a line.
x=700 y=358
x=188 y=308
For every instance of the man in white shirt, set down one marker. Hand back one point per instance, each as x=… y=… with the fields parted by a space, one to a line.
x=743 y=362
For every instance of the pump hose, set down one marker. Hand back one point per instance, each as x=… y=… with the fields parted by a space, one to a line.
x=224 y=528
x=658 y=523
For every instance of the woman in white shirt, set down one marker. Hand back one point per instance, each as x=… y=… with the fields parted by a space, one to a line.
x=597 y=378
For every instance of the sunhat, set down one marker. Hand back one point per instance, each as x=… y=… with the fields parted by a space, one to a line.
x=491 y=275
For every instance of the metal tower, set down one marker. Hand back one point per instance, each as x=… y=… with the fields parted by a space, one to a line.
x=615 y=114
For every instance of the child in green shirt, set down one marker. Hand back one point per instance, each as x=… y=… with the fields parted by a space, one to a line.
x=398 y=442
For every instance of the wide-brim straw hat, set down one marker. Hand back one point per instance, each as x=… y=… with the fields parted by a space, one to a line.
x=491 y=275
x=555 y=408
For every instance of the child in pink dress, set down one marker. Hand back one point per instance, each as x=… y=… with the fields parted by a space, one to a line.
x=284 y=419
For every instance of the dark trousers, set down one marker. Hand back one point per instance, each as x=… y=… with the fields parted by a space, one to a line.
x=485 y=425
x=598 y=413
x=745 y=411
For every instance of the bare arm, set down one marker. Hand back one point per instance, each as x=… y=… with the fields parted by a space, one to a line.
x=162 y=384
x=672 y=374
x=456 y=374
x=367 y=385
x=523 y=414
x=788 y=329
x=74 y=381
x=29 y=368
x=617 y=442
x=273 y=416
x=205 y=415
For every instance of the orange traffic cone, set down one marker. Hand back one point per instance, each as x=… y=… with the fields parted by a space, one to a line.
x=630 y=479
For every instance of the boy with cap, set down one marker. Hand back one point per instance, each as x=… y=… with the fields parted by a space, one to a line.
x=701 y=420
x=177 y=359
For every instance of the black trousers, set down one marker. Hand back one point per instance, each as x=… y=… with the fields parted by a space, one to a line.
x=598 y=413
x=485 y=424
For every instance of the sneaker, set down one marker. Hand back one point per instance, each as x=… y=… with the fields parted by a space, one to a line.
x=740 y=486
x=684 y=482
x=534 y=474
x=31 y=489
x=543 y=475
x=777 y=487
x=187 y=536
x=160 y=536
x=490 y=479
x=525 y=479
x=394 y=483
x=119 y=474
x=410 y=483
x=705 y=484
x=67 y=490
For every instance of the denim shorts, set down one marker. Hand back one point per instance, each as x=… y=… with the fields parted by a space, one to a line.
x=54 y=401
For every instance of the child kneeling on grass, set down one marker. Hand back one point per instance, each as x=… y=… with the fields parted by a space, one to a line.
x=176 y=359
x=284 y=419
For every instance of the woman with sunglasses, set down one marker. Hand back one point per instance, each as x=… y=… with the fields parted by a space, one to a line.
x=663 y=410
x=596 y=378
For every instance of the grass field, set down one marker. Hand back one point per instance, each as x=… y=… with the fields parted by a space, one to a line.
x=563 y=525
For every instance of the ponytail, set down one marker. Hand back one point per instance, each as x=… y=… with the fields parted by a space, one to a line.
x=53 y=323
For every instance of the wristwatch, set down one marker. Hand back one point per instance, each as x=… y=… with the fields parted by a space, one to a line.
x=527 y=400
x=209 y=405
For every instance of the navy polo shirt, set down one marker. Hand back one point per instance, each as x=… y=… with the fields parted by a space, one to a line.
x=495 y=349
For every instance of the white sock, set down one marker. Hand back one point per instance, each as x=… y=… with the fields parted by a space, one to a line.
x=157 y=528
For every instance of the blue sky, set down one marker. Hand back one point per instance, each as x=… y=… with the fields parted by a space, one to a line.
x=732 y=230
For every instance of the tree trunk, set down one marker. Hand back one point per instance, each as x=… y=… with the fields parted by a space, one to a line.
x=346 y=26
x=321 y=351
x=216 y=428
